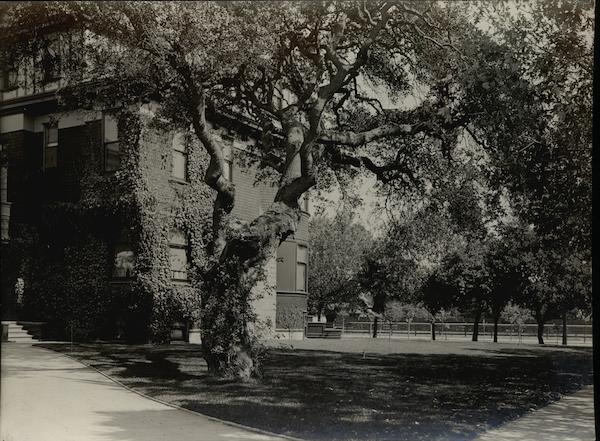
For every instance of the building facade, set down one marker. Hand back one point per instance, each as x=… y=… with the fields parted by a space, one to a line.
x=109 y=219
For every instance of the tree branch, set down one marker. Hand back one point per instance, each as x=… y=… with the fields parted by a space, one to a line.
x=350 y=138
x=381 y=172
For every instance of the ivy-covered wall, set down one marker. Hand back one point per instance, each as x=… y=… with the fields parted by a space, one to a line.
x=67 y=252
x=165 y=204
x=68 y=221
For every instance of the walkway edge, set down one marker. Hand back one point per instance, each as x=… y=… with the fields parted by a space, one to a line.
x=175 y=406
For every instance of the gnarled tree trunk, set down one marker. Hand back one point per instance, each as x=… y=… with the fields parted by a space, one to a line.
x=230 y=334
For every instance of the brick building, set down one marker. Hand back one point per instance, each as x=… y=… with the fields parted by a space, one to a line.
x=107 y=218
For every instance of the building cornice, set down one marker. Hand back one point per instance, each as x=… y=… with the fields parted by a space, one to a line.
x=38 y=103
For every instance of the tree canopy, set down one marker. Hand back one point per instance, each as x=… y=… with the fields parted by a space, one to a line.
x=384 y=88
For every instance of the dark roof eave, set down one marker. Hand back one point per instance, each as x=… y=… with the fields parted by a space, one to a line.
x=47 y=102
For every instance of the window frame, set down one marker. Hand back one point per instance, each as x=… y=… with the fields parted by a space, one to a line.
x=179 y=246
x=126 y=246
x=228 y=169
x=7 y=85
x=50 y=145
x=304 y=202
x=304 y=264
x=229 y=140
x=105 y=144
x=180 y=149
x=51 y=59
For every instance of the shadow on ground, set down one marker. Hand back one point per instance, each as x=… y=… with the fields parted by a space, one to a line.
x=570 y=419
x=326 y=395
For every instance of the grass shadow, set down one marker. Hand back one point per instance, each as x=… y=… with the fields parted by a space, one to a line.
x=330 y=395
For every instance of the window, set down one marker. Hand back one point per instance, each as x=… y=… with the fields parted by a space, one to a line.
x=228 y=140
x=112 y=151
x=180 y=157
x=50 y=145
x=303 y=202
x=51 y=59
x=10 y=79
x=178 y=255
x=301 y=262
x=123 y=257
x=228 y=172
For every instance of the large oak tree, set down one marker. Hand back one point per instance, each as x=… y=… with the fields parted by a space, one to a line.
x=311 y=76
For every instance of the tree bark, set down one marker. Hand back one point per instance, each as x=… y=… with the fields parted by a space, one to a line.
x=476 y=320
x=496 y=320
x=564 y=328
x=540 y=315
x=432 y=330
x=375 y=324
x=229 y=342
x=540 y=332
x=230 y=337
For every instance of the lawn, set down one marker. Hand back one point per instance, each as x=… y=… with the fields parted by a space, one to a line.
x=357 y=389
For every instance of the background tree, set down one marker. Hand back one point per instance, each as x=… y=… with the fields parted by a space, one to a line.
x=575 y=287
x=516 y=316
x=465 y=274
x=437 y=294
x=504 y=278
x=545 y=163
x=337 y=247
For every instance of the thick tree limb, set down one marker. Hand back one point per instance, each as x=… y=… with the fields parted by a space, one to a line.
x=350 y=138
x=381 y=172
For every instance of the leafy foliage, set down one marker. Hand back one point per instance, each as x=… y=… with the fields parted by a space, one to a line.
x=310 y=82
x=337 y=249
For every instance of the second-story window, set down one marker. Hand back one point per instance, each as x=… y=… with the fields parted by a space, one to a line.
x=180 y=157
x=51 y=58
x=10 y=79
x=301 y=264
x=228 y=172
x=112 y=151
x=50 y=145
x=228 y=140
